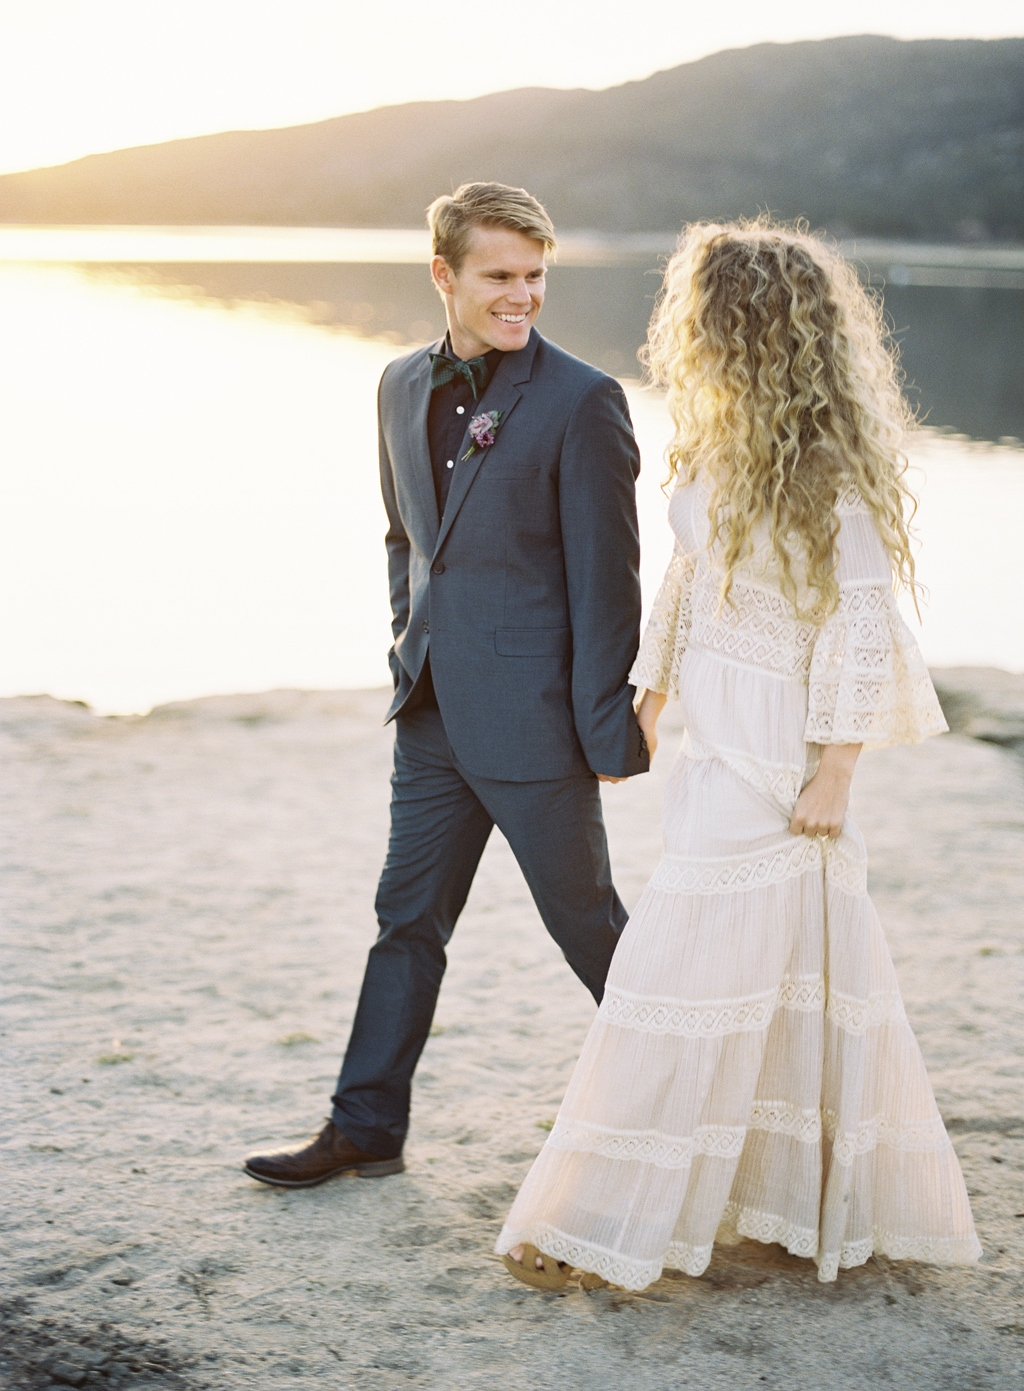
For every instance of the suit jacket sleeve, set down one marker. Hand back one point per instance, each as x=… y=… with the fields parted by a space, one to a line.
x=396 y=542
x=598 y=469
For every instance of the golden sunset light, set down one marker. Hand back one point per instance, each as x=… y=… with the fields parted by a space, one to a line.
x=524 y=500
x=79 y=78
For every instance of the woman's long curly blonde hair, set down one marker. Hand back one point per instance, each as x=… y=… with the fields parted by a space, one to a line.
x=784 y=390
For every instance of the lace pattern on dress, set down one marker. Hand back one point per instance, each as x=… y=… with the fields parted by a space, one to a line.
x=781 y=782
x=678 y=874
x=614 y=1267
x=756 y=627
x=748 y=1013
x=668 y=629
x=856 y=1016
x=783 y=1118
x=803 y=1241
x=737 y=1222
x=906 y=1137
x=712 y=1018
x=808 y=1126
x=648 y=1146
x=868 y=683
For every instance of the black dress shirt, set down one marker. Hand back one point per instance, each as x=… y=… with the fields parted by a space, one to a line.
x=451 y=410
x=452 y=407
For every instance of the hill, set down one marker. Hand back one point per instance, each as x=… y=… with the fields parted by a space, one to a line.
x=862 y=135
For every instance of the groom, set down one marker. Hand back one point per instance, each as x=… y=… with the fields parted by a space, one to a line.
x=508 y=472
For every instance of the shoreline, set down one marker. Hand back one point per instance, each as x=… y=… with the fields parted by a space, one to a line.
x=982 y=702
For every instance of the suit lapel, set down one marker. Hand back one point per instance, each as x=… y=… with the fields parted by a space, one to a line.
x=502 y=394
x=419 y=446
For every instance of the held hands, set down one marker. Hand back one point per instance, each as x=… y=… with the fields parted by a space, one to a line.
x=648 y=709
x=821 y=807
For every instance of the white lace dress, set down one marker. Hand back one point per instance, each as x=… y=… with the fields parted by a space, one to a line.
x=751 y=1071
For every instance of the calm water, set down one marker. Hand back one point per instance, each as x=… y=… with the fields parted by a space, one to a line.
x=191 y=498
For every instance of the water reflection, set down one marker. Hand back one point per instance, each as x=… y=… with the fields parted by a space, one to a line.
x=960 y=347
x=191 y=498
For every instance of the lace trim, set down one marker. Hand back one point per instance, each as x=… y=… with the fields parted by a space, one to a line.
x=867 y=682
x=866 y=677
x=756 y=627
x=738 y=1221
x=782 y=1118
x=711 y=1018
x=690 y=1259
x=856 y=1015
x=749 y=1013
x=665 y=638
x=738 y=873
x=612 y=1266
x=780 y=782
x=803 y=1241
x=850 y=500
x=905 y=1137
x=648 y=1146
x=808 y=1126
x=936 y=1250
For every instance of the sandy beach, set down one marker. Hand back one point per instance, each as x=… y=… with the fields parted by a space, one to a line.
x=187 y=902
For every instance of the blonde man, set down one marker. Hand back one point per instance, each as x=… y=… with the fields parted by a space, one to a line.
x=508 y=471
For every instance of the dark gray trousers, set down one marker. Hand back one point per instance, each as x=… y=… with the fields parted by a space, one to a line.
x=441 y=816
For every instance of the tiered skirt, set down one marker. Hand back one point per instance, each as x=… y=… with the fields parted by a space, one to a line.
x=751 y=1071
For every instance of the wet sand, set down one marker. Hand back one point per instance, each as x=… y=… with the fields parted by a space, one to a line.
x=187 y=905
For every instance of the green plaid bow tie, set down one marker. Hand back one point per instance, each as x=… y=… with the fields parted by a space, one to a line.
x=445 y=369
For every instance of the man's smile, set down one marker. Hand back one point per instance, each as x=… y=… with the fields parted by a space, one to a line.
x=493 y=298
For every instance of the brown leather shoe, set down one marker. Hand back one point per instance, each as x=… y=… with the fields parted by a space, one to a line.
x=325 y=1157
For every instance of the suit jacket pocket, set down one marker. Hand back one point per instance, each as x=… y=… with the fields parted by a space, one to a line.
x=532 y=642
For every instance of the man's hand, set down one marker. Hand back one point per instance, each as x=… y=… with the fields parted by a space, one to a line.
x=648 y=709
x=821 y=807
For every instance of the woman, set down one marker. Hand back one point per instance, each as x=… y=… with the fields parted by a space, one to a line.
x=751 y=1072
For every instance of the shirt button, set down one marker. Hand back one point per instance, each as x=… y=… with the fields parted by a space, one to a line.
x=450 y=463
x=460 y=410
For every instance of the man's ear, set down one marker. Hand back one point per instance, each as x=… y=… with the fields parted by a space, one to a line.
x=442 y=275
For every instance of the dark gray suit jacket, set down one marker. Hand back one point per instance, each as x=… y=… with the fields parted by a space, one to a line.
x=528 y=593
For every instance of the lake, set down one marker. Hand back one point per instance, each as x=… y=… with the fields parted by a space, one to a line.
x=191 y=500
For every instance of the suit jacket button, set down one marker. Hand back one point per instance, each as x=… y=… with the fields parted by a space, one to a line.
x=438 y=567
x=426 y=626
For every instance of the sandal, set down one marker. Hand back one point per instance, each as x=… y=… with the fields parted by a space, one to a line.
x=552 y=1277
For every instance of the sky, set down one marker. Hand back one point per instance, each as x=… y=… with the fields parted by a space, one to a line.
x=81 y=76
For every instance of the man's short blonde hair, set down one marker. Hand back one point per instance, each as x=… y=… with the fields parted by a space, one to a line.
x=452 y=217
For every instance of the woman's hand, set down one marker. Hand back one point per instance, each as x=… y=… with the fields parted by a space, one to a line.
x=821 y=807
x=647 y=711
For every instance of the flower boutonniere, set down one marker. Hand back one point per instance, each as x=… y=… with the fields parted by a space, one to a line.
x=482 y=430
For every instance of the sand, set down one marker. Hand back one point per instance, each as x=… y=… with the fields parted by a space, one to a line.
x=187 y=906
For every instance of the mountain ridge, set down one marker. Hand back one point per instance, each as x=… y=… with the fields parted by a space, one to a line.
x=861 y=135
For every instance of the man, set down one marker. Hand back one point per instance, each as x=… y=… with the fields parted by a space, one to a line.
x=508 y=471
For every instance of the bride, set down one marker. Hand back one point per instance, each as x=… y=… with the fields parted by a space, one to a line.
x=751 y=1071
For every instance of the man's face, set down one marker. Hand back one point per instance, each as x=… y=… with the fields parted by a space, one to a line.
x=494 y=298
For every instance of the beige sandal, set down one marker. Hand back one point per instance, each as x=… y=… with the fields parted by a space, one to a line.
x=552 y=1277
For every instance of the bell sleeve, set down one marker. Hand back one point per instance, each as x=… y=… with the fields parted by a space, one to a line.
x=868 y=683
x=668 y=629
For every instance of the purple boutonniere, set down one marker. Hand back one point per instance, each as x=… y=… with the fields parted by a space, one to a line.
x=482 y=431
